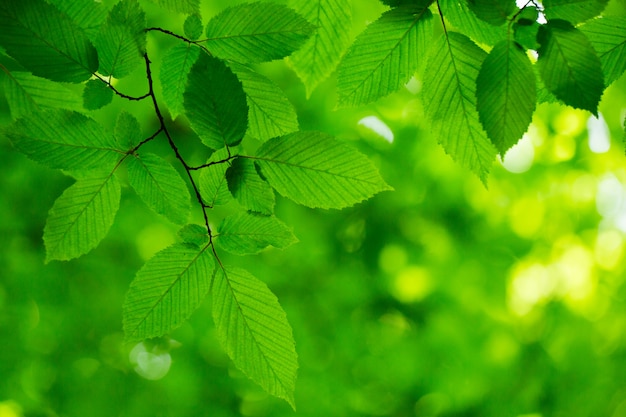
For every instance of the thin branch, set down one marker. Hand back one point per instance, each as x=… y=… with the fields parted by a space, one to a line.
x=182 y=38
x=119 y=93
x=222 y=161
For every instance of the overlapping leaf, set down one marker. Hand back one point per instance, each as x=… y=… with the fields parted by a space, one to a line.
x=384 y=56
x=450 y=96
x=81 y=217
x=248 y=233
x=212 y=180
x=175 y=68
x=160 y=186
x=166 y=290
x=96 y=95
x=459 y=14
x=319 y=56
x=253 y=329
x=506 y=94
x=569 y=66
x=494 y=12
x=257 y=32
x=608 y=38
x=248 y=188
x=215 y=103
x=316 y=170
x=127 y=130
x=574 y=11
x=89 y=15
x=64 y=139
x=46 y=41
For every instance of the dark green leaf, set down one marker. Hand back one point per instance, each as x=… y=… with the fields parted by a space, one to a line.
x=574 y=11
x=96 y=95
x=608 y=37
x=174 y=73
x=494 y=12
x=127 y=130
x=459 y=14
x=87 y=14
x=193 y=26
x=525 y=33
x=248 y=233
x=194 y=234
x=212 y=180
x=248 y=188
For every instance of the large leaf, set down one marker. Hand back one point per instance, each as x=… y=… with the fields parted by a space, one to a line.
x=166 y=290
x=574 y=11
x=569 y=66
x=494 y=12
x=450 y=99
x=215 y=103
x=319 y=56
x=212 y=180
x=87 y=14
x=384 y=56
x=64 y=139
x=247 y=233
x=608 y=37
x=270 y=114
x=316 y=170
x=506 y=94
x=81 y=217
x=459 y=14
x=122 y=39
x=248 y=188
x=45 y=41
x=175 y=68
x=253 y=329
x=160 y=186
x=26 y=93
x=257 y=32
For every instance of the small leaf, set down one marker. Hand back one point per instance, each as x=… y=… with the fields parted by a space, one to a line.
x=127 y=130
x=174 y=73
x=254 y=331
x=574 y=11
x=160 y=186
x=45 y=41
x=270 y=113
x=316 y=170
x=64 y=139
x=569 y=66
x=459 y=14
x=194 y=234
x=212 y=180
x=494 y=12
x=215 y=103
x=166 y=290
x=81 y=217
x=96 y=95
x=608 y=38
x=181 y=6
x=193 y=27
x=248 y=188
x=257 y=32
x=506 y=94
x=525 y=33
x=247 y=233
x=384 y=56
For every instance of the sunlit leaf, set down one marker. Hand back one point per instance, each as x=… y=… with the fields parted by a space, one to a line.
x=96 y=95
x=494 y=12
x=194 y=234
x=175 y=68
x=574 y=11
x=212 y=180
x=459 y=14
x=248 y=187
x=248 y=233
x=608 y=38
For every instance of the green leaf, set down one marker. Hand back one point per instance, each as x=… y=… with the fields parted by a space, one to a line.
x=166 y=290
x=194 y=234
x=270 y=113
x=122 y=40
x=319 y=56
x=459 y=14
x=26 y=93
x=506 y=94
x=81 y=217
x=608 y=38
x=193 y=27
x=64 y=139
x=127 y=130
x=494 y=12
x=87 y=14
x=569 y=66
x=248 y=187
x=257 y=32
x=248 y=233
x=574 y=11
x=160 y=186
x=215 y=103
x=384 y=56
x=174 y=73
x=253 y=329
x=316 y=170
x=450 y=97
x=525 y=33
x=45 y=41
x=181 y=6
x=212 y=180
x=96 y=95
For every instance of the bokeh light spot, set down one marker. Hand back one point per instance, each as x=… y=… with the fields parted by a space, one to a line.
x=599 y=140
x=392 y=258
x=609 y=249
x=412 y=284
x=377 y=126
x=520 y=157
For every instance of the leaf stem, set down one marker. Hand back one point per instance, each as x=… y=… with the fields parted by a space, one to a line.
x=182 y=38
x=119 y=93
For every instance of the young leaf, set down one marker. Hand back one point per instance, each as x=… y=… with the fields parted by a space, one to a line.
x=506 y=94
x=569 y=66
x=26 y=93
x=166 y=290
x=248 y=233
x=81 y=217
x=459 y=14
x=319 y=56
x=160 y=186
x=316 y=170
x=215 y=103
x=193 y=26
x=574 y=11
x=253 y=329
x=270 y=113
x=127 y=130
x=194 y=234
x=248 y=188
x=64 y=139
x=175 y=68
x=45 y=41
x=96 y=95
x=608 y=38
x=122 y=39
x=212 y=180
x=181 y=6
x=494 y=12
x=450 y=98
x=257 y=32
x=384 y=56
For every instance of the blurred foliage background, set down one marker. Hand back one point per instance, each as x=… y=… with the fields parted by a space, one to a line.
x=442 y=298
